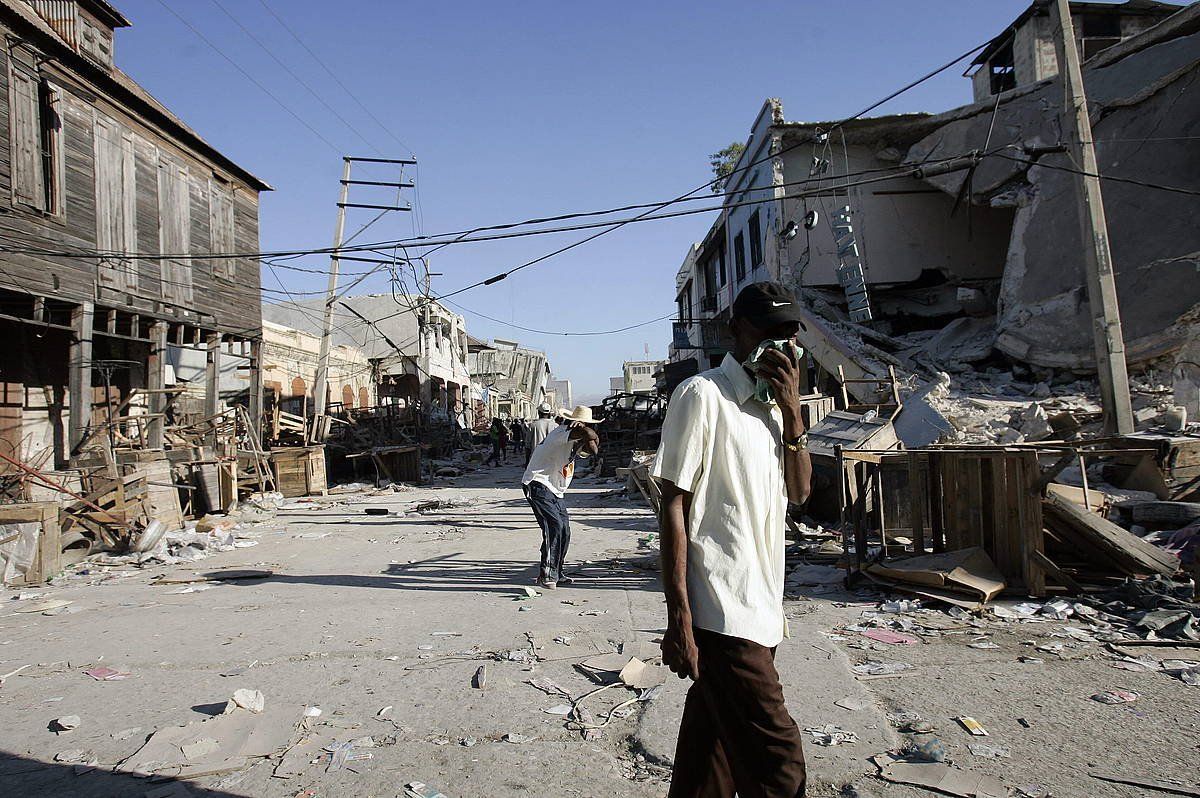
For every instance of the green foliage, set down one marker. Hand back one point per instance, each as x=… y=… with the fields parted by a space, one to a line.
x=722 y=162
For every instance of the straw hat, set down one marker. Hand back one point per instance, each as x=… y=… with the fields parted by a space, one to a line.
x=581 y=413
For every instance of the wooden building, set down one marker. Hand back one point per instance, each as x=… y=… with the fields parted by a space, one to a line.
x=110 y=207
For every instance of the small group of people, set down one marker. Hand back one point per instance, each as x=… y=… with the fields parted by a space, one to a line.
x=521 y=435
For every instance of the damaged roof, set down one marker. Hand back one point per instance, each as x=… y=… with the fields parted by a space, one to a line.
x=123 y=87
x=892 y=128
x=1042 y=8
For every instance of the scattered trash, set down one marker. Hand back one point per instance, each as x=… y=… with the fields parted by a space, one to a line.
x=238 y=671
x=548 y=687
x=251 y=700
x=876 y=668
x=893 y=638
x=513 y=737
x=106 y=674
x=972 y=725
x=560 y=709
x=479 y=680
x=640 y=675
x=419 y=789
x=530 y=592
x=927 y=749
x=1116 y=697
x=377 y=511
x=75 y=756
x=385 y=712
x=989 y=751
x=938 y=776
x=44 y=606
x=830 y=735
x=851 y=703
x=312 y=712
x=65 y=724
x=986 y=645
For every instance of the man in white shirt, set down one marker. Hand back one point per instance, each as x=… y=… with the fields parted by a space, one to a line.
x=732 y=456
x=546 y=479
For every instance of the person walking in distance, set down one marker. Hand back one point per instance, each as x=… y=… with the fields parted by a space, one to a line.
x=733 y=454
x=516 y=434
x=546 y=480
x=494 y=433
x=538 y=430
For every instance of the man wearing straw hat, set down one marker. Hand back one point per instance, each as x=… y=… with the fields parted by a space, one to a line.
x=733 y=454
x=546 y=479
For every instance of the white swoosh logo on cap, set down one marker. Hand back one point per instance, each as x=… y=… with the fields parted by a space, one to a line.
x=780 y=304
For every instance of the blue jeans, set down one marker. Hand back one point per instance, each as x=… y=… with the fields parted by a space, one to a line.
x=551 y=515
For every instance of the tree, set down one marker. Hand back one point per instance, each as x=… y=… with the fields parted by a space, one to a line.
x=722 y=162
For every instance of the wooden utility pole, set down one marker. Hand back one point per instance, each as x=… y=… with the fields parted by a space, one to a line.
x=319 y=390
x=322 y=380
x=1097 y=258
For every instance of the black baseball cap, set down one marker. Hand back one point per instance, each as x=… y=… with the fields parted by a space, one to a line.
x=766 y=304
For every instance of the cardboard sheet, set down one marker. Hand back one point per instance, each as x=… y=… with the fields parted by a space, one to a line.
x=968 y=571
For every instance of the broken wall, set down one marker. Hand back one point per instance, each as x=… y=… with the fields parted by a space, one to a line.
x=903 y=229
x=1145 y=110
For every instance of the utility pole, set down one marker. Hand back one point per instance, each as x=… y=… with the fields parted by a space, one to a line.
x=320 y=389
x=322 y=380
x=1101 y=284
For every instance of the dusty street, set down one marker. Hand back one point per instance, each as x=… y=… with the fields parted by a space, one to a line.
x=364 y=612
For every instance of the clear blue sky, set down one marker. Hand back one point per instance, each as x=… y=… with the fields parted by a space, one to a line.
x=528 y=109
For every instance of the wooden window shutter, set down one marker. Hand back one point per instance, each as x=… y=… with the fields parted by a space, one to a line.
x=28 y=178
x=116 y=208
x=221 y=228
x=174 y=206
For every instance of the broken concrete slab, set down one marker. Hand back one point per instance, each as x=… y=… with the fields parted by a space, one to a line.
x=939 y=776
x=218 y=745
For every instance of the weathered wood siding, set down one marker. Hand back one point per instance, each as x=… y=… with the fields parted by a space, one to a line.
x=135 y=154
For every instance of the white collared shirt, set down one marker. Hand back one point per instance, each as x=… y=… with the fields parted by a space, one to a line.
x=725 y=448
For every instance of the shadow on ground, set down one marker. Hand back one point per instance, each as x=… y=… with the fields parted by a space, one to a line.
x=448 y=573
x=29 y=778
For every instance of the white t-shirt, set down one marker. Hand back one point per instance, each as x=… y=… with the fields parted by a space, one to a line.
x=551 y=462
x=726 y=449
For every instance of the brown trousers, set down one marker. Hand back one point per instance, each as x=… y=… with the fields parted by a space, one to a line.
x=736 y=734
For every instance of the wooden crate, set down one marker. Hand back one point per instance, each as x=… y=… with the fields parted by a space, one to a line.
x=299 y=470
x=952 y=499
x=48 y=560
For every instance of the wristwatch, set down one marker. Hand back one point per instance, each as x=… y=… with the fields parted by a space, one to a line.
x=798 y=444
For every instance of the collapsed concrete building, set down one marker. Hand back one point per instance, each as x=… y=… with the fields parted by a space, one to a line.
x=978 y=258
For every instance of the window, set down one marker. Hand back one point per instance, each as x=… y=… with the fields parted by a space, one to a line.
x=1002 y=69
x=755 y=233
x=175 y=230
x=739 y=257
x=722 y=272
x=220 y=210
x=36 y=138
x=116 y=204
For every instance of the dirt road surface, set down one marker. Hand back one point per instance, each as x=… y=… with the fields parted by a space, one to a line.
x=364 y=612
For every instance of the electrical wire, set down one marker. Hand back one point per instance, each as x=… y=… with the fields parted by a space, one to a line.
x=297 y=78
x=247 y=75
x=1191 y=192
x=560 y=332
x=386 y=128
